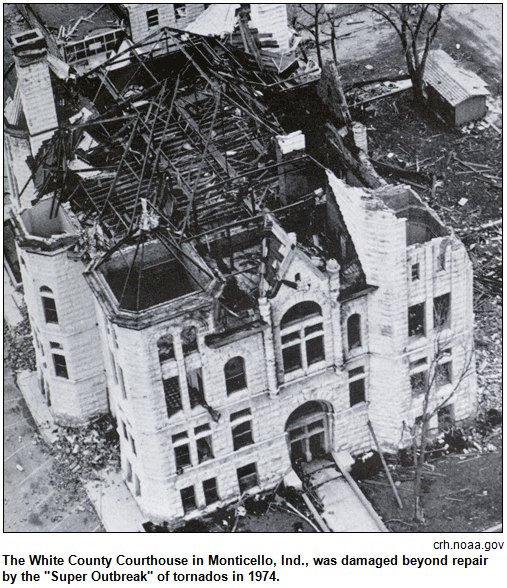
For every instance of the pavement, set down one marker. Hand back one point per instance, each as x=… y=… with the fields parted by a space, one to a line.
x=12 y=302
x=112 y=500
x=346 y=509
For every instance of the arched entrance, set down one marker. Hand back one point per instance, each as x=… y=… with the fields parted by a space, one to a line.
x=308 y=431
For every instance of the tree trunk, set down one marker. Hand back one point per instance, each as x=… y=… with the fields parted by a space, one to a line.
x=418 y=510
x=418 y=91
x=317 y=37
x=333 y=41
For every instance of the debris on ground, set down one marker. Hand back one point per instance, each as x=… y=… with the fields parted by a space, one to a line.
x=81 y=453
x=19 y=354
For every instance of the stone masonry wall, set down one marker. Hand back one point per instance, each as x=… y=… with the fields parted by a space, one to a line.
x=83 y=395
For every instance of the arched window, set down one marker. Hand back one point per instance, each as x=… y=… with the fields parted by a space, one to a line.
x=354 y=331
x=165 y=348
x=235 y=378
x=302 y=336
x=49 y=305
x=189 y=340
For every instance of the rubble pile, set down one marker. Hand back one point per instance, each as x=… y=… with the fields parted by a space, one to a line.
x=81 y=453
x=19 y=354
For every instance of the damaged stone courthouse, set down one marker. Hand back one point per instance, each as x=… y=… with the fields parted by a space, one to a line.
x=190 y=269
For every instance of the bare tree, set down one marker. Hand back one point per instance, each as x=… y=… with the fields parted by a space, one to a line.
x=429 y=383
x=417 y=26
x=315 y=12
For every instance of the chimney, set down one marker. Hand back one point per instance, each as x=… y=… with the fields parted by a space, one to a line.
x=293 y=182
x=34 y=83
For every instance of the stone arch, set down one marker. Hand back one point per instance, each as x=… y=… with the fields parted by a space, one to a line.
x=309 y=432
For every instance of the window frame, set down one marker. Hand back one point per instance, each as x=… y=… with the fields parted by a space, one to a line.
x=171 y=411
x=241 y=429
x=190 y=497
x=440 y=323
x=150 y=15
x=180 y=11
x=357 y=376
x=181 y=440
x=60 y=366
x=49 y=306
x=298 y=335
x=240 y=376
x=417 y=367
x=355 y=342
x=415 y=272
x=413 y=332
x=199 y=441
x=211 y=491
x=169 y=355
x=247 y=475
x=447 y=365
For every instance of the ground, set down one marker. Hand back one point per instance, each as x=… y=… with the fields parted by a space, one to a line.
x=461 y=492
x=31 y=502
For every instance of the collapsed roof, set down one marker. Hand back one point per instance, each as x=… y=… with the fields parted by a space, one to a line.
x=170 y=164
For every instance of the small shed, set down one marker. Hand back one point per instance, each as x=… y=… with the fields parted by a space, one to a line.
x=456 y=94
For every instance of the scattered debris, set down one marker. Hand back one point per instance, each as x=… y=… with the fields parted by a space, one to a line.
x=18 y=344
x=80 y=453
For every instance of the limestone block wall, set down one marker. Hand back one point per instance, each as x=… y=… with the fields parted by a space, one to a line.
x=143 y=410
x=83 y=395
x=16 y=150
x=37 y=99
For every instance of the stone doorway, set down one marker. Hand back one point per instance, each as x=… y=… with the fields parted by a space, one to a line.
x=308 y=432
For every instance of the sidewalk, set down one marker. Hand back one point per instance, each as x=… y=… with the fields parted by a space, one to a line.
x=346 y=509
x=12 y=301
x=111 y=498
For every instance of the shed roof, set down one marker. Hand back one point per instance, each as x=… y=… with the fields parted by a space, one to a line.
x=78 y=19
x=453 y=83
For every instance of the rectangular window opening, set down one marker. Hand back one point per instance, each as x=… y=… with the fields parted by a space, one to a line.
x=182 y=456
x=415 y=272
x=210 y=491
x=356 y=389
x=204 y=449
x=172 y=395
x=242 y=435
x=60 y=366
x=441 y=311
x=292 y=358
x=416 y=320
x=247 y=477
x=240 y=414
x=195 y=388
x=188 y=499
x=152 y=18
x=202 y=429
x=418 y=383
x=315 y=350
x=180 y=11
x=446 y=418
x=443 y=374
x=50 y=310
